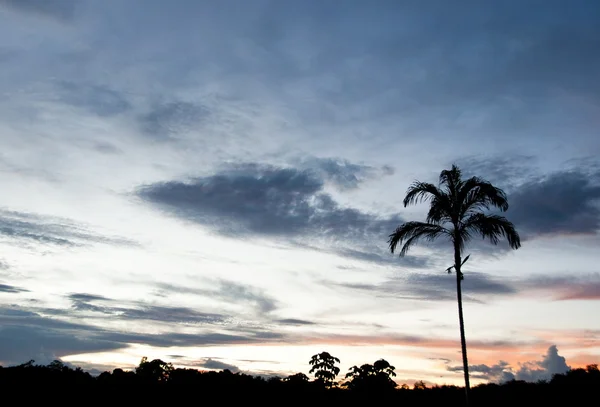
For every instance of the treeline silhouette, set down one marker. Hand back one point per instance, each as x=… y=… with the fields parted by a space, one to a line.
x=157 y=382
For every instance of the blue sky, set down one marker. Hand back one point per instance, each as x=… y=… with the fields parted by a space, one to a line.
x=213 y=183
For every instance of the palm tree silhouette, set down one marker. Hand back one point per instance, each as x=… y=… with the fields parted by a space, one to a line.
x=457 y=213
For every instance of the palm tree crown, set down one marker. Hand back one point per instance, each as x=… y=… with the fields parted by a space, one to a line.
x=456 y=212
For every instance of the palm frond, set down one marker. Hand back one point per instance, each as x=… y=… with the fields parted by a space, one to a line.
x=410 y=233
x=491 y=227
x=476 y=194
x=451 y=179
x=419 y=192
x=440 y=210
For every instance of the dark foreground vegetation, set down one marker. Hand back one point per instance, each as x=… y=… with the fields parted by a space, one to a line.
x=157 y=382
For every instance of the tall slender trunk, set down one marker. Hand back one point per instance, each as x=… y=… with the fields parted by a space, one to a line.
x=463 y=341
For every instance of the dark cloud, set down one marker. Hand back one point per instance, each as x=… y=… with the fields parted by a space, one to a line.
x=498 y=373
x=436 y=287
x=181 y=315
x=26 y=335
x=166 y=120
x=63 y=10
x=25 y=228
x=214 y=364
x=100 y=100
x=552 y=363
x=253 y=199
x=5 y=288
x=87 y=297
x=560 y=203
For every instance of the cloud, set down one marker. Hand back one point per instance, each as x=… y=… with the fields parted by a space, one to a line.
x=378 y=256
x=26 y=335
x=552 y=363
x=21 y=227
x=143 y=312
x=559 y=203
x=566 y=287
x=62 y=10
x=98 y=99
x=5 y=288
x=87 y=297
x=214 y=364
x=192 y=340
x=227 y=291
x=342 y=173
x=504 y=171
x=275 y=202
x=436 y=287
x=294 y=321
x=418 y=341
x=167 y=120
x=498 y=373
x=563 y=202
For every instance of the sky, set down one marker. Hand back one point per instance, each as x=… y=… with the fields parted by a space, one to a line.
x=214 y=183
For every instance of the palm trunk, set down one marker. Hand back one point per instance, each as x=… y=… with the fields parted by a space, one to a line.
x=463 y=341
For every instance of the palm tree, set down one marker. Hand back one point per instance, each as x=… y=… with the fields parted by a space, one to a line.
x=457 y=212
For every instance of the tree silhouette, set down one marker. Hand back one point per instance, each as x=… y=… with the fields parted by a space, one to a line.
x=375 y=378
x=323 y=364
x=579 y=385
x=297 y=378
x=456 y=212
x=155 y=370
x=419 y=385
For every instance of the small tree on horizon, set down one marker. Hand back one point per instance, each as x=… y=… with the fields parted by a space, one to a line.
x=154 y=370
x=323 y=365
x=375 y=378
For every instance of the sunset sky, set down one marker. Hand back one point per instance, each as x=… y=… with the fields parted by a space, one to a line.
x=213 y=183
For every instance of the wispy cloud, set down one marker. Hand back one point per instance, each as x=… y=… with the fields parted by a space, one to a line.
x=60 y=337
x=343 y=173
x=62 y=10
x=97 y=99
x=227 y=291
x=478 y=287
x=137 y=311
x=165 y=121
x=565 y=287
x=29 y=228
x=6 y=288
